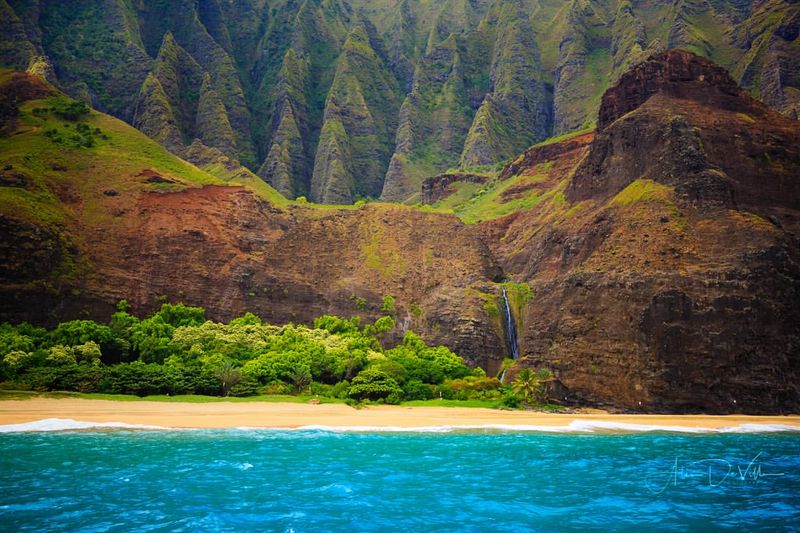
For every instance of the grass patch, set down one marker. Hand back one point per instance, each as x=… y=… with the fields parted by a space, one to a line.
x=642 y=190
x=563 y=137
x=191 y=398
x=186 y=398
x=488 y=202
x=486 y=404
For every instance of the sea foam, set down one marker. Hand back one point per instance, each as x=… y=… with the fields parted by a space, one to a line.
x=67 y=424
x=576 y=426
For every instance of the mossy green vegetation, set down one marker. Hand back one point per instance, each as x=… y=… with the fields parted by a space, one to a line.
x=261 y=81
x=637 y=195
x=519 y=295
x=642 y=190
x=176 y=351
x=59 y=142
x=360 y=122
x=98 y=49
x=474 y=203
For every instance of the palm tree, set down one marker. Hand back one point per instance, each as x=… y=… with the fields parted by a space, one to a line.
x=526 y=385
x=543 y=375
x=228 y=375
x=301 y=377
x=531 y=385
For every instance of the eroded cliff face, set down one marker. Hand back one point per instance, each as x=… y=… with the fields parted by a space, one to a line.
x=663 y=251
x=223 y=248
x=669 y=279
x=232 y=253
x=338 y=100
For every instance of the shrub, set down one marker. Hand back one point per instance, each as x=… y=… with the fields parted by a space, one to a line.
x=198 y=379
x=376 y=385
x=277 y=387
x=338 y=325
x=60 y=356
x=417 y=390
x=70 y=110
x=246 y=387
x=510 y=400
x=77 y=332
x=389 y=306
x=142 y=379
x=18 y=360
x=88 y=352
x=81 y=378
x=340 y=389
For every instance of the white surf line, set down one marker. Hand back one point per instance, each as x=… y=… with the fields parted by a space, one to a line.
x=68 y=424
x=576 y=426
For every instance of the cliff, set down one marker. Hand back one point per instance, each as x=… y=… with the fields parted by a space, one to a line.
x=667 y=278
x=654 y=264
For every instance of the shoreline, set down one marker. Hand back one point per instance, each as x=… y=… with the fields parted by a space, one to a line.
x=225 y=415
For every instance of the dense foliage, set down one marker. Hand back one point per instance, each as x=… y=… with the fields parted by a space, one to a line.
x=178 y=351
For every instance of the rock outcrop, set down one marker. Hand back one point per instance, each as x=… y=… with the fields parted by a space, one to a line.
x=438 y=187
x=148 y=225
x=695 y=130
x=677 y=74
x=668 y=280
x=517 y=111
x=360 y=122
x=661 y=254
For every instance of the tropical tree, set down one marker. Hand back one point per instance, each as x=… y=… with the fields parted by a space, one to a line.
x=228 y=375
x=300 y=376
x=526 y=385
x=531 y=385
x=375 y=384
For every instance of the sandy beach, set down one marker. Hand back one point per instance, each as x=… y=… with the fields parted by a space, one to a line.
x=292 y=415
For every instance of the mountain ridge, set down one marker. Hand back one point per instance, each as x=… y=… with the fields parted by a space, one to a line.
x=514 y=73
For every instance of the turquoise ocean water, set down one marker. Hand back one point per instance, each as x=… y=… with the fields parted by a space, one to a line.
x=315 y=480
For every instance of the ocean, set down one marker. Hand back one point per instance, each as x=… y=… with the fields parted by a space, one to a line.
x=311 y=480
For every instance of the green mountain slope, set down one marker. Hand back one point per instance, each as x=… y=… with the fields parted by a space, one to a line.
x=360 y=120
x=336 y=100
x=65 y=160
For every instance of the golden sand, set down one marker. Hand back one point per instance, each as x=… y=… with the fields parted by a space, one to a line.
x=292 y=415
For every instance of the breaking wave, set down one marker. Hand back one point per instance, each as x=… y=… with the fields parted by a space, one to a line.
x=576 y=426
x=67 y=424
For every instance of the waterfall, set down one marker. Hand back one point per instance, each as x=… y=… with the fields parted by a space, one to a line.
x=510 y=328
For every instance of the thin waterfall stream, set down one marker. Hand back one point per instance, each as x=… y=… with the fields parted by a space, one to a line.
x=510 y=328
